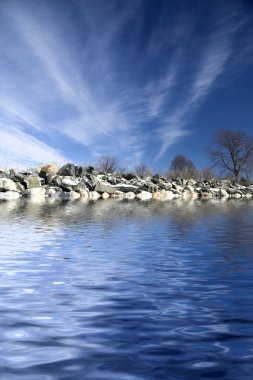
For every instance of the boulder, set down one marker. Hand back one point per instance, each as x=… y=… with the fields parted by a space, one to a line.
x=90 y=169
x=129 y=195
x=7 y=185
x=83 y=193
x=69 y=182
x=105 y=196
x=166 y=186
x=80 y=171
x=48 y=169
x=125 y=188
x=94 y=195
x=144 y=196
x=3 y=174
x=104 y=187
x=9 y=195
x=67 y=170
x=32 y=181
x=73 y=195
x=129 y=176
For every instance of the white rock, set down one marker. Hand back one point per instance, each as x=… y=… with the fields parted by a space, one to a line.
x=9 y=195
x=69 y=182
x=36 y=192
x=129 y=195
x=117 y=194
x=223 y=193
x=73 y=195
x=144 y=196
x=7 y=185
x=105 y=195
x=83 y=193
x=94 y=195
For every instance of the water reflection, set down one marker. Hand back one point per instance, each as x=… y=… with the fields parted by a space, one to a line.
x=126 y=290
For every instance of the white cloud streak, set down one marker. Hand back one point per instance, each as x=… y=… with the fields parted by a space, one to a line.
x=19 y=149
x=75 y=89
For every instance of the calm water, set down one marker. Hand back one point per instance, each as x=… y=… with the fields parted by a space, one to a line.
x=113 y=290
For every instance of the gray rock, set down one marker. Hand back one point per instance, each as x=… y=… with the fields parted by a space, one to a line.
x=103 y=187
x=129 y=176
x=80 y=171
x=3 y=174
x=125 y=188
x=67 y=170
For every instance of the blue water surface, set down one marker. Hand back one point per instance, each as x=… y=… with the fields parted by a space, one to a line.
x=126 y=290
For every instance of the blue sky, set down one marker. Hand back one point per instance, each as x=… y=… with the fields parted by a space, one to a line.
x=141 y=80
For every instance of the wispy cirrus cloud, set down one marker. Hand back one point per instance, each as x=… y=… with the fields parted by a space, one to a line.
x=92 y=74
x=19 y=149
x=214 y=62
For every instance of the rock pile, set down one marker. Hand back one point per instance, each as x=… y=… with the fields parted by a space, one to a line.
x=72 y=182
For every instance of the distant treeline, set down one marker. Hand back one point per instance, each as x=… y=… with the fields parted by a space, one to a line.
x=230 y=156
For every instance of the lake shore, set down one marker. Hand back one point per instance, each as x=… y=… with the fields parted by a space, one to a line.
x=72 y=182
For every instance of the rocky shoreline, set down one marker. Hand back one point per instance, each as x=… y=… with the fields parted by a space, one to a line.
x=72 y=182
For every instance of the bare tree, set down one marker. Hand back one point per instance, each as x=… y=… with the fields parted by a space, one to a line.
x=142 y=170
x=207 y=174
x=107 y=164
x=233 y=152
x=182 y=167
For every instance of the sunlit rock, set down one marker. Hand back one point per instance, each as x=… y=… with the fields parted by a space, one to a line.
x=84 y=193
x=50 y=168
x=70 y=182
x=144 y=196
x=7 y=185
x=129 y=195
x=103 y=187
x=105 y=195
x=9 y=195
x=94 y=195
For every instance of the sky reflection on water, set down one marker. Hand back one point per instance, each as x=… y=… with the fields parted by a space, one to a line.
x=126 y=290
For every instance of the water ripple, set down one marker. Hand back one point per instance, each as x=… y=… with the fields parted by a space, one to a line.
x=126 y=290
